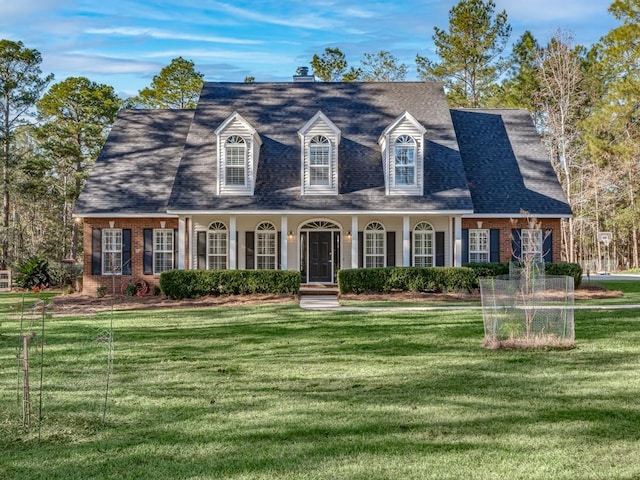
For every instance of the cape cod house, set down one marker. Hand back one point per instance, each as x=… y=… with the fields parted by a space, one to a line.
x=316 y=177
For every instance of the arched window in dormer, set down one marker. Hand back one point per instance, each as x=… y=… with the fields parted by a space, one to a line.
x=266 y=243
x=405 y=160
x=374 y=247
x=319 y=161
x=235 y=150
x=424 y=245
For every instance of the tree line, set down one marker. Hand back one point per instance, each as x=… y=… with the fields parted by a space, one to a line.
x=585 y=103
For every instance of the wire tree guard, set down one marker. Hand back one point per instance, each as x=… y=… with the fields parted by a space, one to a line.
x=528 y=309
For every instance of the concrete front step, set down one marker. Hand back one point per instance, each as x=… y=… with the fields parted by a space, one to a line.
x=318 y=290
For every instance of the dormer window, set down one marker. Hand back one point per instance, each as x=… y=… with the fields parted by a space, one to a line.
x=319 y=161
x=235 y=161
x=402 y=148
x=238 y=154
x=319 y=140
x=405 y=160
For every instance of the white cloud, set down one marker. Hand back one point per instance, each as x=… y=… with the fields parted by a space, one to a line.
x=166 y=35
x=85 y=64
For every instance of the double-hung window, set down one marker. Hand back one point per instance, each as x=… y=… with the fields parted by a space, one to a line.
x=423 y=245
x=266 y=243
x=112 y=251
x=162 y=250
x=405 y=160
x=235 y=161
x=479 y=246
x=217 y=246
x=319 y=161
x=374 y=247
x=531 y=244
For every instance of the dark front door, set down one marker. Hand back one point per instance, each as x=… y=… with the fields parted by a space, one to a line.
x=320 y=253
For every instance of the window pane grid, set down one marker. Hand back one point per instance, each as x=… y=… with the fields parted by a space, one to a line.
x=217 y=250
x=405 y=160
x=112 y=251
x=531 y=244
x=235 y=161
x=479 y=245
x=163 y=250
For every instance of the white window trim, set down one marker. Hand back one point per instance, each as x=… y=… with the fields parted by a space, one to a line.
x=269 y=233
x=235 y=142
x=372 y=231
x=252 y=140
x=531 y=244
x=320 y=142
x=387 y=141
x=306 y=134
x=409 y=143
x=114 y=269
x=156 y=251
x=217 y=228
x=427 y=232
x=479 y=251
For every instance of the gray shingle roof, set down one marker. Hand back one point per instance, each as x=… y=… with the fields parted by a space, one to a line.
x=136 y=168
x=157 y=160
x=506 y=164
x=360 y=110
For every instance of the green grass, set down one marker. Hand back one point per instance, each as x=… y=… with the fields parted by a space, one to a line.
x=629 y=288
x=275 y=392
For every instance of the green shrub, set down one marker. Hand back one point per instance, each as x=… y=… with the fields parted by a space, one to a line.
x=33 y=272
x=177 y=284
x=492 y=269
x=414 y=279
x=567 y=269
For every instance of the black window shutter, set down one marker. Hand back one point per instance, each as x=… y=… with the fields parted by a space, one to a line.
x=391 y=249
x=279 y=251
x=126 y=251
x=547 y=246
x=201 y=250
x=249 y=253
x=237 y=250
x=148 y=251
x=516 y=247
x=96 y=251
x=360 y=249
x=465 y=246
x=494 y=245
x=439 y=249
x=175 y=248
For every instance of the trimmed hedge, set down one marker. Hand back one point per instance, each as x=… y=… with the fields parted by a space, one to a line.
x=556 y=268
x=178 y=284
x=436 y=279
x=414 y=279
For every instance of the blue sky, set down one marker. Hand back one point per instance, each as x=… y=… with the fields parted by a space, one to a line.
x=124 y=43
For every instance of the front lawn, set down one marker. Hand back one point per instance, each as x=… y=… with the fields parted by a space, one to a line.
x=275 y=392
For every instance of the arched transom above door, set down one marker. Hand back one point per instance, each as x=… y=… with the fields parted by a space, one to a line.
x=320 y=225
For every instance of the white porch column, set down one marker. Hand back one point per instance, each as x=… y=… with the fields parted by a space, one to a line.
x=354 y=241
x=406 y=241
x=233 y=242
x=181 y=239
x=284 y=248
x=457 y=232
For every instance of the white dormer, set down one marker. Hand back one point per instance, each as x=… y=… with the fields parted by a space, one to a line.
x=402 y=146
x=238 y=154
x=320 y=139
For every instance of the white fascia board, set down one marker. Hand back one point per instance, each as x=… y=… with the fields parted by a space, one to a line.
x=231 y=118
x=124 y=215
x=405 y=116
x=517 y=215
x=320 y=212
x=320 y=116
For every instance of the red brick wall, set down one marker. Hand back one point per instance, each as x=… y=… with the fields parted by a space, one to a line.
x=505 y=225
x=137 y=225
